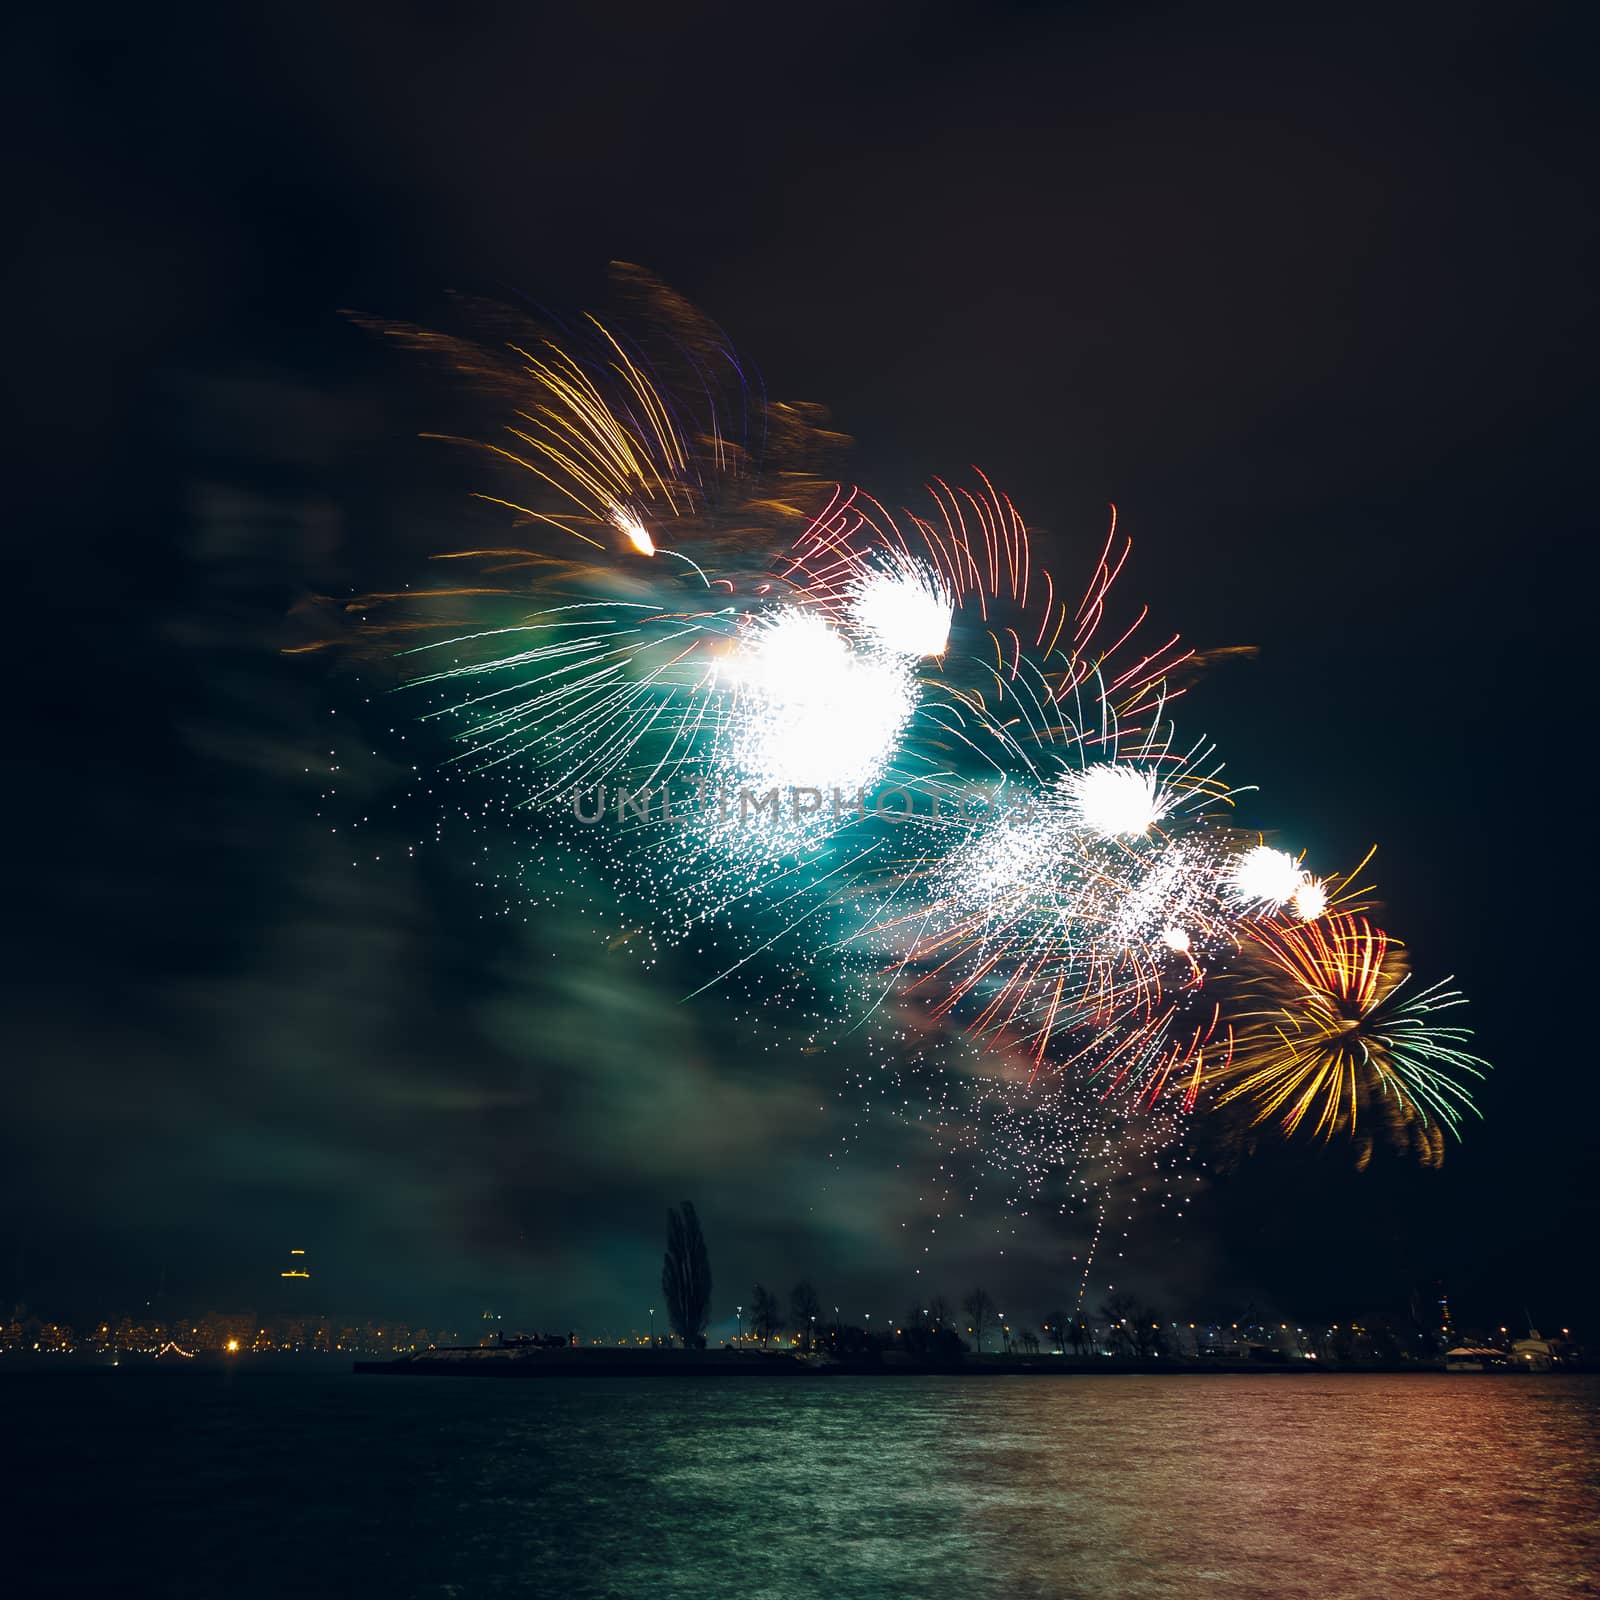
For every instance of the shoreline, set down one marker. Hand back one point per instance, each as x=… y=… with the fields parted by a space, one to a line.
x=704 y=1366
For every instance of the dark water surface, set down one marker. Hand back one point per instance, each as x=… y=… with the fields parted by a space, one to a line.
x=247 y=1484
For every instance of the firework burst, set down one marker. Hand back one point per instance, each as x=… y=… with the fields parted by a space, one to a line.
x=1055 y=944
x=1329 y=1033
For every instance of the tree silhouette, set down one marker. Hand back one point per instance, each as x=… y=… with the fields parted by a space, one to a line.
x=939 y=1313
x=686 y=1276
x=1149 y=1332
x=1120 y=1312
x=1081 y=1335
x=1055 y=1324
x=1135 y=1327
x=763 y=1314
x=980 y=1308
x=804 y=1309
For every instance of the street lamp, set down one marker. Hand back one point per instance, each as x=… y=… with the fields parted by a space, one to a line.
x=652 y=1327
x=738 y=1311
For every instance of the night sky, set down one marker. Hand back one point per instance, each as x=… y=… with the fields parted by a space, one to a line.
x=1305 y=294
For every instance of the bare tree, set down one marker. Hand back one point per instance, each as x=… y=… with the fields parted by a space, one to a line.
x=1135 y=1328
x=939 y=1312
x=1149 y=1332
x=980 y=1308
x=1029 y=1341
x=804 y=1309
x=1120 y=1312
x=686 y=1276
x=763 y=1314
x=1055 y=1324
x=1081 y=1334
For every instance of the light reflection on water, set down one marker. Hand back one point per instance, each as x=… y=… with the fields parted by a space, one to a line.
x=1275 y=1486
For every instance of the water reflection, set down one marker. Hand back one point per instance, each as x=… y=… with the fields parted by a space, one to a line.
x=1140 y=1487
